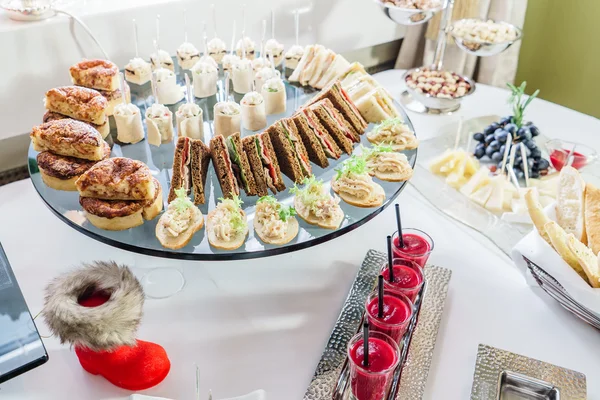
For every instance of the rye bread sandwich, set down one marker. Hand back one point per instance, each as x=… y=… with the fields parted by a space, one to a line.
x=263 y=163
x=240 y=164
x=223 y=167
x=338 y=127
x=319 y=143
x=190 y=167
x=291 y=153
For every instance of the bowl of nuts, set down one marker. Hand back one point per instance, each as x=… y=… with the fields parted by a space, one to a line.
x=484 y=38
x=410 y=12
x=438 y=89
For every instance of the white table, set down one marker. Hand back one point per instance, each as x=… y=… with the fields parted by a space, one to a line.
x=264 y=323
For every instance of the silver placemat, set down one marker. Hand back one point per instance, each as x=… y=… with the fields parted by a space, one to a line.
x=492 y=361
x=416 y=369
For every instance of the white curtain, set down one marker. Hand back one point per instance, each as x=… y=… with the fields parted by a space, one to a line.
x=418 y=46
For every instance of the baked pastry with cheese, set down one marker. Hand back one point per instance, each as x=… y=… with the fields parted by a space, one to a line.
x=117 y=178
x=61 y=172
x=95 y=74
x=77 y=102
x=118 y=215
x=68 y=137
x=104 y=129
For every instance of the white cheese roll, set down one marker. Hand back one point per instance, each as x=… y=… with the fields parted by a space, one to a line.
x=129 y=123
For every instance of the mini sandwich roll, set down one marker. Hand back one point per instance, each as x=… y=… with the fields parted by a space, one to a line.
x=273 y=92
x=129 y=123
x=159 y=121
x=189 y=121
x=263 y=75
x=187 y=55
x=253 y=111
x=228 y=119
x=166 y=87
x=242 y=76
x=205 y=79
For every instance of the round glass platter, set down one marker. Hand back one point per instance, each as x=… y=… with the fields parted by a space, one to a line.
x=142 y=239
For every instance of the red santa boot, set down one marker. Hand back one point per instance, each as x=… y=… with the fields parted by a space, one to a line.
x=98 y=309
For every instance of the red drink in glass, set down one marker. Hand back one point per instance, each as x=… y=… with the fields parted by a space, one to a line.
x=417 y=246
x=408 y=278
x=373 y=381
x=397 y=313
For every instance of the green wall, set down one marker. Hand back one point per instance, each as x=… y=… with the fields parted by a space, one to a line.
x=560 y=53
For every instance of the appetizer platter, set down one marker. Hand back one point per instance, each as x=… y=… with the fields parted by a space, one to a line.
x=335 y=378
x=198 y=164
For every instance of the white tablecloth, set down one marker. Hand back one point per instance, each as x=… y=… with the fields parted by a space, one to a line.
x=264 y=323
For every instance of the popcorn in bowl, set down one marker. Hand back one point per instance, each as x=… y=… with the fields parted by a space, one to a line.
x=440 y=84
x=484 y=31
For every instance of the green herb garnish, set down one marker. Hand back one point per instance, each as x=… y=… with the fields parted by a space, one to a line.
x=356 y=165
x=272 y=90
x=285 y=212
x=310 y=193
x=235 y=218
x=181 y=202
x=518 y=103
x=388 y=123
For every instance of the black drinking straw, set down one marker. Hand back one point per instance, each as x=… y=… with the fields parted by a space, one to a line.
x=380 y=288
x=366 y=344
x=390 y=259
x=399 y=225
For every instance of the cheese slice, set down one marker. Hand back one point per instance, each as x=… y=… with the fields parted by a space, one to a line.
x=479 y=179
x=481 y=195
x=495 y=202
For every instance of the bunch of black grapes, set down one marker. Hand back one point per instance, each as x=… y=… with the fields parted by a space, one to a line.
x=492 y=144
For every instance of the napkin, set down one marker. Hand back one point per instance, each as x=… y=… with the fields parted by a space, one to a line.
x=256 y=395
x=537 y=250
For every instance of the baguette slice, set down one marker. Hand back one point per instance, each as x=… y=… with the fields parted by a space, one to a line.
x=376 y=198
x=536 y=212
x=184 y=238
x=331 y=223
x=559 y=239
x=570 y=203
x=214 y=241
x=587 y=260
x=592 y=217
x=291 y=232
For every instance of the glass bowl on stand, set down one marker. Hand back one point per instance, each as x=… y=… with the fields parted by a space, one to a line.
x=408 y=16
x=481 y=48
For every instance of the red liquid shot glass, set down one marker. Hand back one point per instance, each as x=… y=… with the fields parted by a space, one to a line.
x=417 y=246
x=397 y=313
x=372 y=382
x=408 y=278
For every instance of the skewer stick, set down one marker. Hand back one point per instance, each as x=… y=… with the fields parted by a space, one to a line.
x=185 y=33
x=511 y=161
x=525 y=163
x=157 y=45
x=297 y=23
x=507 y=149
x=458 y=133
x=515 y=181
x=243 y=44
x=272 y=24
x=188 y=88
x=262 y=39
x=122 y=85
x=205 y=46
x=243 y=19
x=226 y=86
x=154 y=88
x=135 y=38
x=233 y=39
x=214 y=18
x=197 y=382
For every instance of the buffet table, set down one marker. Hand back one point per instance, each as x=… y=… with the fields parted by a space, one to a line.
x=263 y=323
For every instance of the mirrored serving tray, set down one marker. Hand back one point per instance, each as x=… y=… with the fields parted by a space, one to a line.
x=502 y=375
x=330 y=379
x=160 y=159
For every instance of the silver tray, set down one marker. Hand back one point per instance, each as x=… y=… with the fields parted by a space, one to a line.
x=329 y=381
x=492 y=363
x=142 y=239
